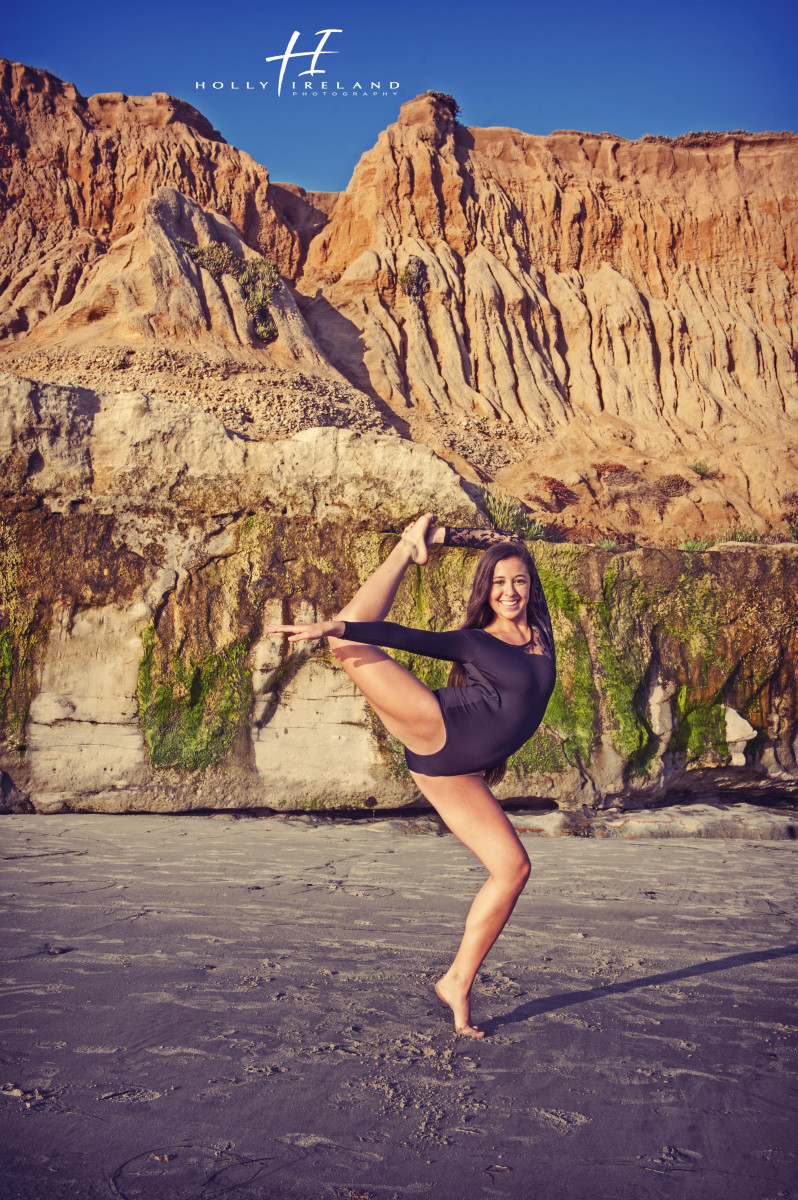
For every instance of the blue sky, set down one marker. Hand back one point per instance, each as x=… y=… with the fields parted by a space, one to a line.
x=626 y=68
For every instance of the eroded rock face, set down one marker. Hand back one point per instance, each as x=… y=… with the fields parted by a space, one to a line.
x=562 y=265
x=76 y=170
x=127 y=453
x=145 y=289
x=144 y=550
x=607 y=329
x=627 y=298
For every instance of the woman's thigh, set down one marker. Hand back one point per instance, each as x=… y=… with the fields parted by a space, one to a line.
x=473 y=814
x=406 y=706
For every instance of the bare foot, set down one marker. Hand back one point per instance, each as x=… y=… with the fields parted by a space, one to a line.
x=415 y=535
x=461 y=1007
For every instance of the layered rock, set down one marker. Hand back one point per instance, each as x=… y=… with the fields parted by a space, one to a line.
x=627 y=298
x=145 y=549
x=76 y=170
x=146 y=289
x=535 y=309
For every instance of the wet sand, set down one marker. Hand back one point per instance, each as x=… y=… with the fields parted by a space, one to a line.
x=197 y=1007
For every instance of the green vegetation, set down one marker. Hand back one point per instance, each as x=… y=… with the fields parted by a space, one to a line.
x=258 y=278
x=447 y=101
x=508 y=514
x=739 y=533
x=572 y=711
x=692 y=617
x=559 y=583
x=696 y=617
x=621 y=620
x=18 y=653
x=701 y=727
x=413 y=280
x=543 y=754
x=6 y=670
x=608 y=543
x=621 y=623
x=696 y=544
x=20 y=641
x=572 y=708
x=703 y=469
x=190 y=712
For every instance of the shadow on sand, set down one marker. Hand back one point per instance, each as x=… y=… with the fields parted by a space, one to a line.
x=534 y=1008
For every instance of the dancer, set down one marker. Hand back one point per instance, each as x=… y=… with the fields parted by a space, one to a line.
x=457 y=739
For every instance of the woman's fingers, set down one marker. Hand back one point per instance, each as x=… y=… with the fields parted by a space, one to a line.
x=298 y=633
x=304 y=633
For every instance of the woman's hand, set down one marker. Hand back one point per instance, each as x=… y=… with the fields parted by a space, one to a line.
x=304 y=633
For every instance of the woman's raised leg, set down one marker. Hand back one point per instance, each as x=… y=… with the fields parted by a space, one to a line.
x=406 y=707
x=472 y=813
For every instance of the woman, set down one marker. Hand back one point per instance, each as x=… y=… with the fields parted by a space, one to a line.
x=458 y=738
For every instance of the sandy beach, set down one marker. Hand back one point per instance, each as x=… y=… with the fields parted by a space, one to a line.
x=200 y=1007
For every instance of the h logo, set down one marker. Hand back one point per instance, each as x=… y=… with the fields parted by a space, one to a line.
x=312 y=54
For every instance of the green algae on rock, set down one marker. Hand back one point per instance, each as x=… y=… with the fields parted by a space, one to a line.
x=143 y=554
x=191 y=715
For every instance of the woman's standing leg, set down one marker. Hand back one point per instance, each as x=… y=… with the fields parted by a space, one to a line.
x=470 y=810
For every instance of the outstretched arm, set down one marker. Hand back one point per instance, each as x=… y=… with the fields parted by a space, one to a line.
x=309 y=633
x=455 y=645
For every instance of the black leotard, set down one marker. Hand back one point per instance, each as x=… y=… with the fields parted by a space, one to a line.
x=508 y=686
x=493 y=715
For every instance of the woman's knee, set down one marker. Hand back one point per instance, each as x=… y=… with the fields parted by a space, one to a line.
x=516 y=873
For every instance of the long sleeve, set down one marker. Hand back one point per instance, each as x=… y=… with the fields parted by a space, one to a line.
x=478 y=539
x=454 y=646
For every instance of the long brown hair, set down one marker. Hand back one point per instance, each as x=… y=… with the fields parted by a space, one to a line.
x=479 y=614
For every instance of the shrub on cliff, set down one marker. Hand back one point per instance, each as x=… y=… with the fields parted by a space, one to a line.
x=703 y=469
x=509 y=515
x=258 y=278
x=413 y=280
x=447 y=101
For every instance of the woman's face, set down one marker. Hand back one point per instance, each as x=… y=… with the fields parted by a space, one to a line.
x=509 y=592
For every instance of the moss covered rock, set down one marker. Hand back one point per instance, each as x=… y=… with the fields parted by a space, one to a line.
x=139 y=570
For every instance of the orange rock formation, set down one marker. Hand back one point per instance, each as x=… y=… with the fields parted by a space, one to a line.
x=626 y=298
x=577 y=317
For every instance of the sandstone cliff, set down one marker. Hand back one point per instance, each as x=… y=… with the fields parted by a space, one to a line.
x=576 y=317
x=632 y=299
x=75 y=170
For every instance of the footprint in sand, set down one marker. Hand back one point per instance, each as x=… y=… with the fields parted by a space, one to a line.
x=560 y=1120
